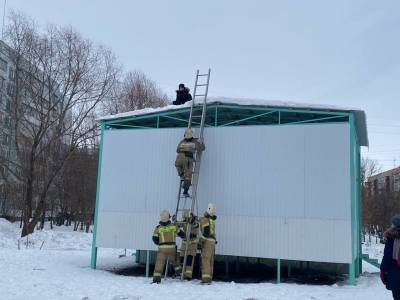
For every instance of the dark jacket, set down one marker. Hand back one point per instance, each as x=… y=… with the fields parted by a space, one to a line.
x=390 y=271
x=182 y=97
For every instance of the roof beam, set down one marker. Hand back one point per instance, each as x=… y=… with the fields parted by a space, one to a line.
x=313 y=120
x=248 y=118
x=293 y=110
x=129 y=126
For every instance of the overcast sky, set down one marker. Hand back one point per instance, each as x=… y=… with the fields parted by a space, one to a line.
x=344 y=53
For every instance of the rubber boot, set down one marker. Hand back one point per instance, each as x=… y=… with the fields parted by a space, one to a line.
x=157 y=280
x=186 y=192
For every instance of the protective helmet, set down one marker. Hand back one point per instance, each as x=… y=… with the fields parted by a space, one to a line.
x=188 y=133
x=211 y=209
x=165 y=216
x=186 y=214
x=181 y=85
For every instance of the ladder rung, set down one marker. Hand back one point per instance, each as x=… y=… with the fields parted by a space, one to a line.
x=199 y=95
x=202 y=75
x=205 y=84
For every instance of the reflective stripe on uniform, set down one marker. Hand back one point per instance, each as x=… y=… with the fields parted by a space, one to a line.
x=188 y=272
x=207 y=239
x=156 y=274
x=166 y=246
x=205 y=276
x=167 y=229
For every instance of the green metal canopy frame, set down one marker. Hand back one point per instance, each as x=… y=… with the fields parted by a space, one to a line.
x=224 y=114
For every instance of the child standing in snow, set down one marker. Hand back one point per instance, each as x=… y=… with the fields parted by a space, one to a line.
x=390 y=266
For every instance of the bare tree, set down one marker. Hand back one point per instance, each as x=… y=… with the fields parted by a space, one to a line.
x=136 y=91
x=368 y=168
x=60 y=78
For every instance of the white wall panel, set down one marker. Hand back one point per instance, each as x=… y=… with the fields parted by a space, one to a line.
x=278 y=189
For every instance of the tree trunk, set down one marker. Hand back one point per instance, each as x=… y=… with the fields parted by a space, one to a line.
x=22 y=218
x=87 y=227
x=43 y=219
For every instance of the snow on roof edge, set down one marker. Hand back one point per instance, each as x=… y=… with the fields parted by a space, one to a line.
x=361 y=122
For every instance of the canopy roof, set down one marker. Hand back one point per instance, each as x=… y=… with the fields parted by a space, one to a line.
x=223 y=111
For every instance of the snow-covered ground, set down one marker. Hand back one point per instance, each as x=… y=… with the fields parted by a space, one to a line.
x=373 y=248
x=60 y=270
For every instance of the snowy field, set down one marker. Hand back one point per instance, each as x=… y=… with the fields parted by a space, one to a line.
x=60 y=270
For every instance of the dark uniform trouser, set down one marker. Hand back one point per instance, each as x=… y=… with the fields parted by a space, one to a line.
x=184 y=166
x=191 y=254
x=207 y=260
x=162 y=255
x=396 y=295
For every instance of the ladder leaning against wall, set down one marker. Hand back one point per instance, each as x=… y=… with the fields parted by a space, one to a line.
x=190 y=202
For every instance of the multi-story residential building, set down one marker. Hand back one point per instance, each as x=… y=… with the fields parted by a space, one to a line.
x=7 y=153
x=7 y=134
x=388 y=181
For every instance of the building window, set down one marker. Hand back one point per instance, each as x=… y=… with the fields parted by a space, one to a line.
x=3 y=65
x=376 y=191
x=11 y=73
x=6 y=139
x=7 y=122
x=10 y=90
x=387 y=183
x=396 y=179
x=8 y=105
x=2 y=81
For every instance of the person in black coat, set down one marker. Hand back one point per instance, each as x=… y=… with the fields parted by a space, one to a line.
x=390 y=266
x=182 y=95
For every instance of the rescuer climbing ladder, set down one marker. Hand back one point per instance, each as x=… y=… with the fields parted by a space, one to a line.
x=189 y=202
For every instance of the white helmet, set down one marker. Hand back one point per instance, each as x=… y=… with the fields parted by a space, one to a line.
x=188 y=133
x=211 y=209
x=165 y=216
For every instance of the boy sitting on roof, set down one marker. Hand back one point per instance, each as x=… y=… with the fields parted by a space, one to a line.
x=182 y=95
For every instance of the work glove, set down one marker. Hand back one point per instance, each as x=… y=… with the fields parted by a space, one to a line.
x=191 y=218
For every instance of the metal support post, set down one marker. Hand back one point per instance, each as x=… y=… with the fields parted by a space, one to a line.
x=147 y=262
x=278 y=271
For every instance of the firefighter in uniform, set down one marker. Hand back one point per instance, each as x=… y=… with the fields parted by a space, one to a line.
x=192 y=246
x=165 y=237
x=208 y=241
x=186 y=150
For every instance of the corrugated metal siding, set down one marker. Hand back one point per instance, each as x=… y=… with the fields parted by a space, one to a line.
x=281 y=191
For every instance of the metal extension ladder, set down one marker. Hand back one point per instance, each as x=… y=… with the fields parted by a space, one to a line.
x=200 y=91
